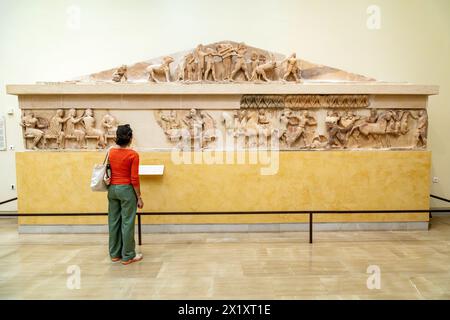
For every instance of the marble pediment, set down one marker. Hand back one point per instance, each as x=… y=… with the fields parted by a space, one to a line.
x=308 y=71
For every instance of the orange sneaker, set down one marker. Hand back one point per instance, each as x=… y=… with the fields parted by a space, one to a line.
x=116 y=259
x=137 y=258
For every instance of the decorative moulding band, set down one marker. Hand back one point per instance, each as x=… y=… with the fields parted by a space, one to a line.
x=222 y=89
x=305 y=101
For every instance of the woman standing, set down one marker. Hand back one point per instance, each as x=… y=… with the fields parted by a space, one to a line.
x=124 y=195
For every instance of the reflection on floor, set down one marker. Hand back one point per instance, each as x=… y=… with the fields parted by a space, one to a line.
x=413 y=265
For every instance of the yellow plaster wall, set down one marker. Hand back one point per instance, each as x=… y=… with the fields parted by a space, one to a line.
x=54 y=182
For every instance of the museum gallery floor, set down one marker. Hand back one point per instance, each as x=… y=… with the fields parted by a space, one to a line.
x=413 y=265
x=237 y=128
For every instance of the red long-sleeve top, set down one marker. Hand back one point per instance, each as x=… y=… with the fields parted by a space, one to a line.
x=124 y=166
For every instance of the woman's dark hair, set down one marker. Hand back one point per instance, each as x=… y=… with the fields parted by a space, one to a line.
x=124 y=135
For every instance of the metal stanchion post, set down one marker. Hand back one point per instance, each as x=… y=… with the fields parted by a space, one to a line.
x=139 y=229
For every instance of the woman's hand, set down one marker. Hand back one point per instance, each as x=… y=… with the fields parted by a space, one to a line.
x=140 y=203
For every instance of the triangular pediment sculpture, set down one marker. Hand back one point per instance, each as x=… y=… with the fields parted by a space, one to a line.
x=224 y=62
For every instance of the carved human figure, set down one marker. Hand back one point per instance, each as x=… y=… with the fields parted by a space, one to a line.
x=187 y=71
x=55 y=129
x=264 y=122
x=210 y=64
x=393 y=123
x=120 y=74
x=292 y=68
x=194 y=125
x=191 y=68
x=181 y=71
x=346 y=122
x=163 y=68
x=392 y=126
x=265 y=127
x=226 y=51
x=193 y=122
x=297 y=128
x=72 y=131
x=333 y=128
x=32 y=128
x=200 y=53
x=240 y=64
x=398 y=121
x=262 y=59
x=228 y=121
x=284 y=119
x=373 y=117
x=109 y=124
x=209 y=128
x=293 y=129
x=404 y=117
x=254 y=62
x=173 y=126
x=253 y=127
x=310 y=123
x=420 y=136
x=240 y=119
x=89 y=124
x=289 y=122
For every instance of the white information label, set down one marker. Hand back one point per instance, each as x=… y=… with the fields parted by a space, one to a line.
x=2 y=134
x=151 y=170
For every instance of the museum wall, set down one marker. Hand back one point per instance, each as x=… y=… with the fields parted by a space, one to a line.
x=44 y=41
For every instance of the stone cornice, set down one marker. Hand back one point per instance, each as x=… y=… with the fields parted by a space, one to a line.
x=375 y=88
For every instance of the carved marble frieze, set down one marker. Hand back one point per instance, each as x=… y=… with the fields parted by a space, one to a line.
x=305 y=101
x=245 y=128
x=68 y=129
x=293 y=129
x=188 y=129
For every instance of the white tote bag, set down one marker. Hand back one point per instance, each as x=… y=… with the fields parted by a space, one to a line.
x=101 y=175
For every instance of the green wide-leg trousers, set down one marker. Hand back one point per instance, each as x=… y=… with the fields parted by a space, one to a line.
x=122 y=206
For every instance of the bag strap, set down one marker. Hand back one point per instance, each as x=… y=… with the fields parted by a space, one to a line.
x=106 y=160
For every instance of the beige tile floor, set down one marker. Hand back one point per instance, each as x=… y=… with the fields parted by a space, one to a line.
x=413 y=264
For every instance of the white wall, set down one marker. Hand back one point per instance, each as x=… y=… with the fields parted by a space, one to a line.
x=39 y=43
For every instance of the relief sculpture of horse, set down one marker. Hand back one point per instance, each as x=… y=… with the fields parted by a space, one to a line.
x=375 y=130
x=163 y=68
